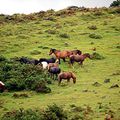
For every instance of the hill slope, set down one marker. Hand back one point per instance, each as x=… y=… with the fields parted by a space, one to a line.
x=33 y=36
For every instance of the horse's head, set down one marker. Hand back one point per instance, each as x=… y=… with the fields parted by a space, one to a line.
x=52 y=51
x=79 y=52
x=74 y=77
x=87 y=55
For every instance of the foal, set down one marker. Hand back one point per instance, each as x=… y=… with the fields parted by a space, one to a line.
x=66 y=75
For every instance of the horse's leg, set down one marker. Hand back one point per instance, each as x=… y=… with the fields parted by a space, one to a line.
x=68 y=80
x=59 y=81
x=59 y=60
x=56 y=76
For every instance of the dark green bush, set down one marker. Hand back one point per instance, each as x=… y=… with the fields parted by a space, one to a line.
x=22 y=114
x=115 y=3
x=92 y=27
x=55 y=112
x=2 y=58
x=97 y=56
x=95 y=36
x=18 y=76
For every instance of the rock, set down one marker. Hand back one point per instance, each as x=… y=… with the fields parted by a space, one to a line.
x=107 y=80
x=115 y=86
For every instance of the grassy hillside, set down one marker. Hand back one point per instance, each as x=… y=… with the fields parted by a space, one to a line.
x=33 y=35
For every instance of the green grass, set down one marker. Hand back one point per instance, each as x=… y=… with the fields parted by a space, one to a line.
x=30 y=39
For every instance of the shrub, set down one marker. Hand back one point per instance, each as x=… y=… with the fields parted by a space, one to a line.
x=2 y=58
x=64 y=35
x=97 y=56
x=22 y=114
x=23 y=95
x=42 y=88
x=92 y=27
x=35 y=52
x=115 y=3
x=55 y=112
x=18 y=76
x=95 y=36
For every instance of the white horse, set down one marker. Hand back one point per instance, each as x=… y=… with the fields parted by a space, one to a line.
x=2 y=83
x=44 y=65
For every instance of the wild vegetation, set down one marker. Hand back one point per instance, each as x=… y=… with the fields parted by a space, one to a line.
x=95 y=95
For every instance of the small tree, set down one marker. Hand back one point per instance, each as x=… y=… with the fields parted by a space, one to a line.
x=115 y=3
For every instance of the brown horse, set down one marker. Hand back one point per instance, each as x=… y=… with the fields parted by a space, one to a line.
x=63 y=54
x=66 y=75
x=79 y=58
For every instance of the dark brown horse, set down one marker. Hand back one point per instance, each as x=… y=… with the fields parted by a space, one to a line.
x=79 y=58
x=66 y=75
x=63 y=54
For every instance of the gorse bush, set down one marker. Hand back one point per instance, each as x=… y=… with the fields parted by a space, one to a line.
x=18 y=76
x=53 y=112
x=97 y=56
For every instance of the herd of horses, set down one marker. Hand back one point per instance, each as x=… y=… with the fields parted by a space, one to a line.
x=52 y=64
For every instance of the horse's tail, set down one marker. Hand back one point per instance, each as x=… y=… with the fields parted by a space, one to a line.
x=74 y=77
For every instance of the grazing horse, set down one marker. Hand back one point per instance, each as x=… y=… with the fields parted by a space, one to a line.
x=54 y=71
x=50 y=60
x=79 y=58
x=2 y=86
x=66 y=75
x=27 y=61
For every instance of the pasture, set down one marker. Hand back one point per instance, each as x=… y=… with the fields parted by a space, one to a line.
x=83 y=30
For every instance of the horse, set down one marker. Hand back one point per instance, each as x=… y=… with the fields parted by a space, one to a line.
x=56 y=64
x=27 y=61
x=2 y=86
x=54 y=71
x=44 y=65
x=75 y=52
x=50 y=60
x=79 y=58
x=63 y=54
x=66 y=75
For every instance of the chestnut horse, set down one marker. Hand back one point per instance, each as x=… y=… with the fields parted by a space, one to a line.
x=79 y=58
x=66 y=75
x=63 y=54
